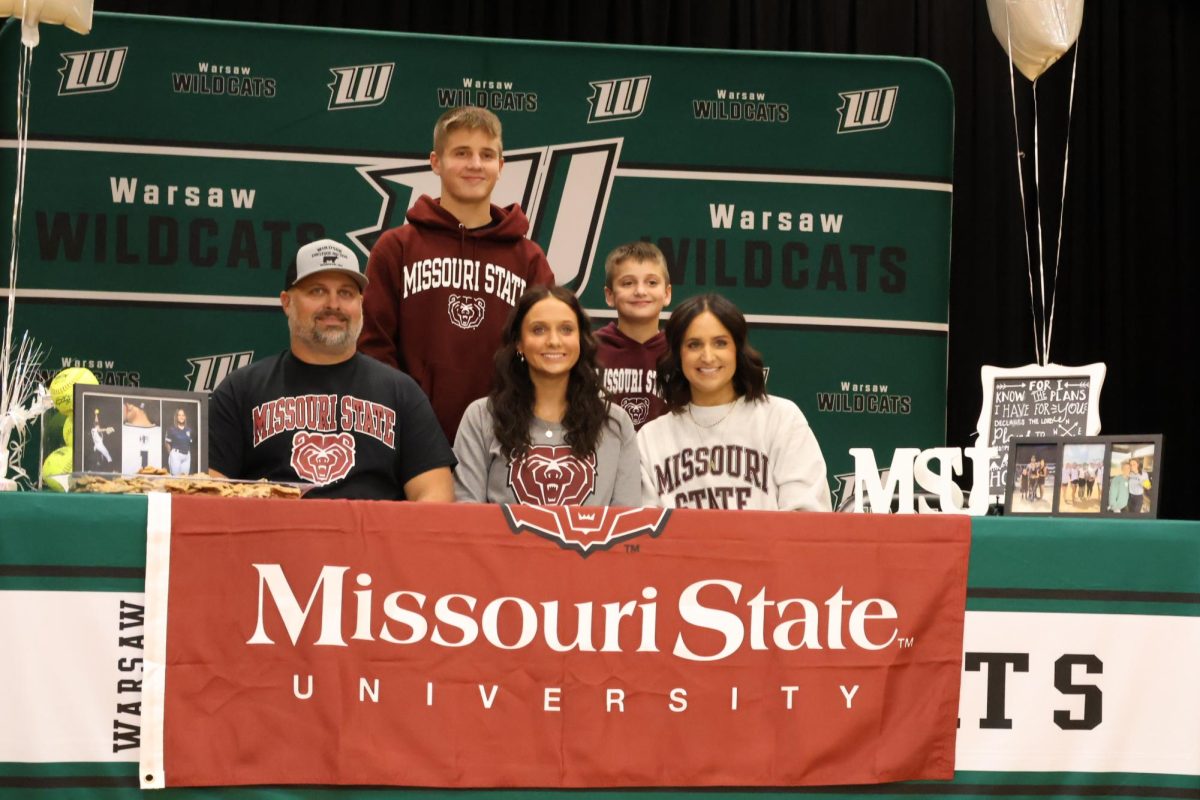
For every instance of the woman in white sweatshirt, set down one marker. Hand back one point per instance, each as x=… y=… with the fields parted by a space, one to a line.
x=725 y=442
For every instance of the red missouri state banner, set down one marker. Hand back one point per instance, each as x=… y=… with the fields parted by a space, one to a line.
x=338 y=642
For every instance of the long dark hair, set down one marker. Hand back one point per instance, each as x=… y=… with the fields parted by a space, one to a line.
x=512 y=397
x=748 y=380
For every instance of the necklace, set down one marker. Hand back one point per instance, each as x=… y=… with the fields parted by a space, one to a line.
x=724 y=416
x=712 y=450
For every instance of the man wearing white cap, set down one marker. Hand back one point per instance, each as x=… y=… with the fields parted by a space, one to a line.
x=322 y=413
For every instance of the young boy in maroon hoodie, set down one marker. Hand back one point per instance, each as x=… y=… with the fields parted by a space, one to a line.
x=442 y=285
x=637 y=285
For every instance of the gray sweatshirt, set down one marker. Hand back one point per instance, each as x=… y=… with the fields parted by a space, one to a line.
x=548 y=474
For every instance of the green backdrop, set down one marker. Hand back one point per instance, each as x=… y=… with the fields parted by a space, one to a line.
x=175 y=166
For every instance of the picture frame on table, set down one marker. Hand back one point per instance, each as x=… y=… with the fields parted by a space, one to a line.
x=1033 y=476
x=1082 y=485
x=1143 y=455
x=123 y=429
x=1099 y=476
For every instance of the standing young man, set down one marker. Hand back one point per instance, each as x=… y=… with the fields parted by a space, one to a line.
x=637 y=285
x=442 y=285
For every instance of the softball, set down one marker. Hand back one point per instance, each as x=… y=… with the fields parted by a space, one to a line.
x=56 y=465
x=62 y=388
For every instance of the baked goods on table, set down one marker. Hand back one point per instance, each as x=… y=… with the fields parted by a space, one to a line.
x=156 y=479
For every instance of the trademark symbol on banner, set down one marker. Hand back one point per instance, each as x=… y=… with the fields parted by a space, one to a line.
x=633 y=548
x=906 y=641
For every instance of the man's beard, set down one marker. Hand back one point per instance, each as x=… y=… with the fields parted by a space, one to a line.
x=327 y=339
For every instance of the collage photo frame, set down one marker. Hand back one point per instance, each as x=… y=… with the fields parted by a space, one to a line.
x=1099 y=476
x=123 y=429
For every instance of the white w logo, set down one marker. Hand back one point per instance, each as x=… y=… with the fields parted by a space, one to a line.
x=622 y=98
x=208 y=371
x=91 y=70
x=361 y=86
x=867 y=109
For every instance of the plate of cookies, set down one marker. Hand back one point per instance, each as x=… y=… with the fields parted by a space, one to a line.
x=156 y=479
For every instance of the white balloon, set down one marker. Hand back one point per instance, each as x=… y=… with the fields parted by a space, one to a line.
x=1040 y=30
x=75 y=14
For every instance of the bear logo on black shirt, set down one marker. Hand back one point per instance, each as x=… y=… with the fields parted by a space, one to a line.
x=322 y=458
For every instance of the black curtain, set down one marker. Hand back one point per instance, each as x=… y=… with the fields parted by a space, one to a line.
x=1125 y=286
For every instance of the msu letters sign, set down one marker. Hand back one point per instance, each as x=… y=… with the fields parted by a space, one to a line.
x=424 y=646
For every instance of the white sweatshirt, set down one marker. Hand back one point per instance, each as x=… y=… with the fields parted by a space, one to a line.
x=757 y=455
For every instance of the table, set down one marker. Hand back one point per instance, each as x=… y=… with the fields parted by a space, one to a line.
x=1081 y=644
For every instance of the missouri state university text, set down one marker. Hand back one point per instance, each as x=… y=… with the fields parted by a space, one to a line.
x=714 y=621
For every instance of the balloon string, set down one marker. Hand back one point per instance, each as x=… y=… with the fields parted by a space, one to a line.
x=18 y=205
x=1037 y=205
x=1012 y=85
x=1062 y=206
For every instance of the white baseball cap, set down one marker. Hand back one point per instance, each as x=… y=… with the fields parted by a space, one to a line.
x=324 y=255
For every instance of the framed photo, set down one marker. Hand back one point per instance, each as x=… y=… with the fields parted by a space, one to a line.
x=122 y=429
x=1051 y=402
x=1033 y=476
x=1133 y=468
x=1082 y=481
x=1102 y=476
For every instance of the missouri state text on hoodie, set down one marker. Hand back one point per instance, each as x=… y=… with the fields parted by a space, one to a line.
x=630 y=372
x=439 y=295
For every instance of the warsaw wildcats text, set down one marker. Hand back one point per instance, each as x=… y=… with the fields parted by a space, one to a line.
x=802 y=262
x=222 y=233
x=716 y=618
x=492 y=94
x=762 y=264
x=158 y=240
x=727 y=216
x=128 y=191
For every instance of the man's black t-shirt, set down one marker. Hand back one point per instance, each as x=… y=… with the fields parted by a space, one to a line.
x=358 y=429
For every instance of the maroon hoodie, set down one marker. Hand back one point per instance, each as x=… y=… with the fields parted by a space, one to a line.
x=629 y=368
x=439 y=295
